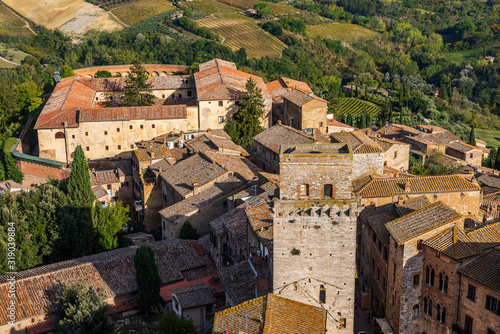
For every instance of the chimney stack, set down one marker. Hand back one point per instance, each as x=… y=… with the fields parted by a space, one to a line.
x=196 y=186
x=407 y=187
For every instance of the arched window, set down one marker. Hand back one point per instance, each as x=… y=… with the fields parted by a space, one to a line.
x=443 y=315
x=414 y=312
x=445 y=284
x=441 y=281
x=427 y=275
x=438 y=312
x=429 y=311
x=426 y=305
x=322 y=294
x=432 y=277
x=328 y=190
x=59 y=135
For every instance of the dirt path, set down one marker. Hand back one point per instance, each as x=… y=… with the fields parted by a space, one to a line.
x=8 y=61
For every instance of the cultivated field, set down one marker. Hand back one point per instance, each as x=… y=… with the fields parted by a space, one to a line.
x=491 y=137
x=74 y=17
x=12 y=24
x=212 y=6
x=134 y=12
x=354 y=106
x=345 y=32
x=11 y=55
x=460 y=56
x=277 y=8
x=239 y=31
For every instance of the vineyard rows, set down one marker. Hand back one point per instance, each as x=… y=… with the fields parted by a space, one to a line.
x=355 y=107
x=240 y=32
x=277 y=8
x=212 y=6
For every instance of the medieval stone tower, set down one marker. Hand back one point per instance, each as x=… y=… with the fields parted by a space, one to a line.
x=315 y=231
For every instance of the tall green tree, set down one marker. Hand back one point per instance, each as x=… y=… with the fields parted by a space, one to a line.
x=188 y=231
x=108 y=222
x=472 y=136
x=496 y=165
x=148 y=278
x=248 y=117
x=169 y=323
x=82 y=310
x=79 y=186
x=136 y=89
x=492 y=157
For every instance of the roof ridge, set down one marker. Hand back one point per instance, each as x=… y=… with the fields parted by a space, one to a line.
x=296 y=131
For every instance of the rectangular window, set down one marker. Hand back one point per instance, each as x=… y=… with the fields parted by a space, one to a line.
x=395 y=154
x=152 y=126
x=221 y=103
x=438 y=254
x=320 y=124
x=468 y=324
x=117 y=129
x=105 y=133
x=131 y=146
x=97 y=98
x=492 y=304
x=142 y=126
x=221 y=119
x=109 y=186
x=130 y=127
x=471 y=293
x=190 y=93
x=86 y=133
x=163 y=96
x=386 y=253
x=471 y=155
x=88 y=148
x=107 y=148
x=416 y=279
x=125 y=184
x=119 y=147
x=73 y=136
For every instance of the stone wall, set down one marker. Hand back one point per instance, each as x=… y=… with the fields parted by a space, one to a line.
x=311 y=115
x=398 y=157
x=367 y=163
x=267 y=159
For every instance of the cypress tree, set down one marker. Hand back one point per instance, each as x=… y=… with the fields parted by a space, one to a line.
x=492 y=157
x=148 y=278
x=496 y=165
x=472 y=136
x=349 y=120
x=79 y=186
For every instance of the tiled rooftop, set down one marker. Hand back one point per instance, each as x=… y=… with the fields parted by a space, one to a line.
x=114 y=270
x=286 y=316
x=283 y=85
x=99 y=192
x=485 y=270
x=300 y=98
x=104 y=177
x=421 y=221
x=378 y=221
x=384 y=187
x=279 y=134
x=170 y=82
x=247 y=317
x=194 y=295
x=462 y=147
x=359 y=142
x=193 y=204
x=235 y=163
x=412 y=204
x=489 y=180
x=214 y=142
x=396 y=130
x=239 y=281
x=195 y=168
x=260 y=217
x=455 y=243
x=220 y=80
x=158 y=152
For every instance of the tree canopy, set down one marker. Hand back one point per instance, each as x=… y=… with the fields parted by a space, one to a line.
x=136 y=89
x=82 y=310
x=188 y=231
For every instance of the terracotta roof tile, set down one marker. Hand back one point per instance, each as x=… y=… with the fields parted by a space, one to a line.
x=462 y=147
x=286 y=316
x=235 y=163
x=239 y=282
x=279 y=134
x=99 y=192
x=103 y=177
x=247 y=317
x=195 y=168
x=412 y=204
x=194 y=295
x=421 y=221
x=260 y=217
x=211 y=141
x=300 y=98
x=169 y=82
x=114 y=270
x=359 y=142
x=383 y=187
x=485 y=269
x=455 y=243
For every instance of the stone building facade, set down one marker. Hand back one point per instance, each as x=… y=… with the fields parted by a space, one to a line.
x=315 y=231
x=304 y=110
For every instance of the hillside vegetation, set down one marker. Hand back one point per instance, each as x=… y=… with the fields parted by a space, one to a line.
x=345 y=32
x=12 y=24
x=134 y=12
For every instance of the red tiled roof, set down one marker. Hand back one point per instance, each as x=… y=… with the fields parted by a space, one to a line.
x=283 y=85
x=220 y=80
x=40 y=327
x=128 y=113
x=300 y=98
x=103 y=177
x=235 y=163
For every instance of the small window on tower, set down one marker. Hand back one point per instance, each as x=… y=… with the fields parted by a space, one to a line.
x=322 y=294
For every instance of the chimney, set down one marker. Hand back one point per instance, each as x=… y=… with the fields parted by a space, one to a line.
x=142 y=143
x=196 y=186
x=407 y=187
x=150 y=144
x=152 y=154
x=164 y=141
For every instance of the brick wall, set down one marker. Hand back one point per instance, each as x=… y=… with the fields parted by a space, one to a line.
x=29 y=168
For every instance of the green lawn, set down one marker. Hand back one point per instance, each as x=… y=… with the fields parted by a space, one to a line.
x=491 y=137
x=459 y=57
x=10 y=54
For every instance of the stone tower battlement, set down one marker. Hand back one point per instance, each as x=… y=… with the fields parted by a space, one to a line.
x=314 y=229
